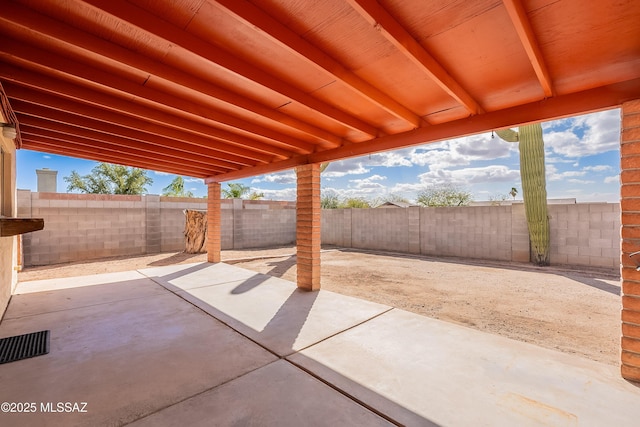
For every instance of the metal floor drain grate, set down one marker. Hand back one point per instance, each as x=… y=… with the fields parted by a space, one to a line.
x=24 y=346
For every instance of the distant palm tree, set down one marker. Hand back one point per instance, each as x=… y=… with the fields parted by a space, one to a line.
x=513 y=192
x=235 y=191
x=176 y=189
x=239 y=191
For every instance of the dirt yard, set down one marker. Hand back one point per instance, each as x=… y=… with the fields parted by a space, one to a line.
x=572 y=311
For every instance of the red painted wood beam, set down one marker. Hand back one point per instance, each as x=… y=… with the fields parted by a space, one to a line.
x=111 y=83
x=253 y=149
x=43 y=143
x=528 y=39
x=219 y=57
x=102 y=157
x=254 y=17
x=393 y=31
x=119 y=120
x=57 y=121
x=601 y=98
x=14 y=14
x=107 y=142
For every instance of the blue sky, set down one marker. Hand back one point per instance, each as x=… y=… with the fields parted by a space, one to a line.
x=581 y=153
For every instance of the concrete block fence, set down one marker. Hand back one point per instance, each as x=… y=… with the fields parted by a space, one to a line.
x=581 y=234
x=82 y=227
x=93 y=226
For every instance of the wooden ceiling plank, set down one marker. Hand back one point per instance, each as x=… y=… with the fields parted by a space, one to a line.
x=17 y=14
x=114 y=144
x=150 y=23
x=519 y=19
x=128 y=89
x=107 y=150
x=394 y=32
x=597 y=99
x=126 y=136
x=252 y=16
x=20 y=76
x=51 y=101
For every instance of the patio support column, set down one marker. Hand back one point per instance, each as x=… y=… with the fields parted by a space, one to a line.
x=308 y=227
x=214 y=220
x=630 y=232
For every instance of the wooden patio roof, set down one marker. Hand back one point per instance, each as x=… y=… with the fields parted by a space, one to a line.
x=234 y=88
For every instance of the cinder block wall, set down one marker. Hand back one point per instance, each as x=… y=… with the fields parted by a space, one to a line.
x=87 y=226
x=470 y=232
x=259 y=223
x=581 y=234
x=79 y=227
x=585 y=234
x=381 y=229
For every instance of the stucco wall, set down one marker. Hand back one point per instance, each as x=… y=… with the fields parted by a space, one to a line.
x=8 y=245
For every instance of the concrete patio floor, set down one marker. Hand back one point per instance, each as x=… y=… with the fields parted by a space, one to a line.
x=205 y=344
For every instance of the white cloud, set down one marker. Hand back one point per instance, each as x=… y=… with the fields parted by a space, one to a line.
x=199 y=180
x=345 y=167
x=487 y=174
x=612 y=179
x=584 y=135
x=281 y=194
x=597 y=168
x=553 y=174
x=369 y=185
x=46 y=157
x=580 y=181
x=278 y=178
x=390 y=159
x=161 y=173
x=368 y=181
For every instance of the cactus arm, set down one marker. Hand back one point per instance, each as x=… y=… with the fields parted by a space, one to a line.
x=508 y=135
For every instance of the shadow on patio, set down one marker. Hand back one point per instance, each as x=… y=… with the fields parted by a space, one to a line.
x=205 y=344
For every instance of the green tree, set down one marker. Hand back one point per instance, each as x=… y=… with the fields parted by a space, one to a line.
x=235 y=190
x=107 y=178
x=355 y=202
x=176 y=188
x=534 y=187
x=329 y=200
x=443 y=195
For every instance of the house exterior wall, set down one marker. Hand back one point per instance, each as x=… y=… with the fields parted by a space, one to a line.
x=8 y=245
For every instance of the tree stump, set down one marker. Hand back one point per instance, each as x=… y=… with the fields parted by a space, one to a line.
x=195 y=231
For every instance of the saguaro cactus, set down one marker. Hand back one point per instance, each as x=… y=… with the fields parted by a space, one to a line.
x=534 y=187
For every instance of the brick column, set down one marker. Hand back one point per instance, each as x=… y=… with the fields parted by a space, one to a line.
x=308 y=226
x=214 y=221
x=630 y=231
